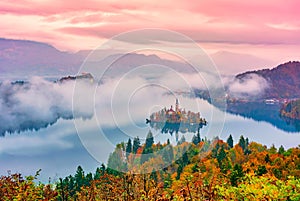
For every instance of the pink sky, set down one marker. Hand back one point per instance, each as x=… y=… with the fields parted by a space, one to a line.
x=269 y=28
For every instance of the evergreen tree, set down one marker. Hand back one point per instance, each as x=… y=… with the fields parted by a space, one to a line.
x=246 y=143
x=196 y=139
x=98 y=173
x=273 y=149
x=154 y=176
x=215 y=150
x=277 y=173
x=179 y=171
x=221 y=155
x=267 y=158
x=149 y=140
x=71 y=185
x=136 y=144
x=88 y=179
x=242 y=143
x=185 y=159
x=128 y=147
x=79 y=178
x=230 y=141
x=261 y=170
x=281 y=150
x=148 y=150
x=236 y=175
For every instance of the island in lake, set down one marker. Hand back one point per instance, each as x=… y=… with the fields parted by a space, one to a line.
x=176 y=120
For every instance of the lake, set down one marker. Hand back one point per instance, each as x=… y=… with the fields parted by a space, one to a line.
x=59 y=148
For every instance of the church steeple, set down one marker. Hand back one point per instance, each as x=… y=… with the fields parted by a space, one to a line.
x=177 y=105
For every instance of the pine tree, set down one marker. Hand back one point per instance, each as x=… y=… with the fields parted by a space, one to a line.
x=221 y=155
x=179 y=171
x=246 y=143
x=88 y=179
x=261 y=170
x=148 y=150
x=185 y=159
x=136 y=144
x=196 y=139
x=236 y=175
x=128 y=147
x=154 y=176
x=267 y=158
x=97 y=174
x=242 y=142
x=230 y=141
x=79 y=178
x=149 y=140
x=281 y=150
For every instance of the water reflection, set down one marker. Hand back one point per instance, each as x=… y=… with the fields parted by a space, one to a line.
x=171 y=128
x=292 y=122
x=260 y=111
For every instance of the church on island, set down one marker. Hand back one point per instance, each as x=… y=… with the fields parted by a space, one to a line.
x=177 y=115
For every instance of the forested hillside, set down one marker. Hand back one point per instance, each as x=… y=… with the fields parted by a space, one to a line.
x=284 y=80
x=197 y=170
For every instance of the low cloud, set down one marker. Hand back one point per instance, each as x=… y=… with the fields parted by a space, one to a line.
x=116 y=101
x=38 y=103
x=249 y=86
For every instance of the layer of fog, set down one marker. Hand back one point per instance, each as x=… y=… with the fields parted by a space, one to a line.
x=251 y=86
x=130 y=98
x=37 y=103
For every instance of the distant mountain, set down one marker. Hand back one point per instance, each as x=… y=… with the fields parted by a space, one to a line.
x=25 y=58
x=21 y=58
x=230 y=63
x=283 y=85
x=284 y=80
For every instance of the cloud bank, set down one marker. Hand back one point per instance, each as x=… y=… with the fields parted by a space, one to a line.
x=250 y=86
x=116 y=101
x=37 y=104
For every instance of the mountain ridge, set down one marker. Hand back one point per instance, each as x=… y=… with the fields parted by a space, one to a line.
x=23 y=57
x=284 y=80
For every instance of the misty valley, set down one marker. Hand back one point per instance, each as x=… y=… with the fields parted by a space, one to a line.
x=143 y=113
x=44 y=125
x=74 y=133
x=149 y=100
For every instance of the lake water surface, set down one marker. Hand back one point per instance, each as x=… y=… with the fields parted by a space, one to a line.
x=58 y=149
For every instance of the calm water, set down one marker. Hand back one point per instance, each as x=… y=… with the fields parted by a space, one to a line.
x=58 y=149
